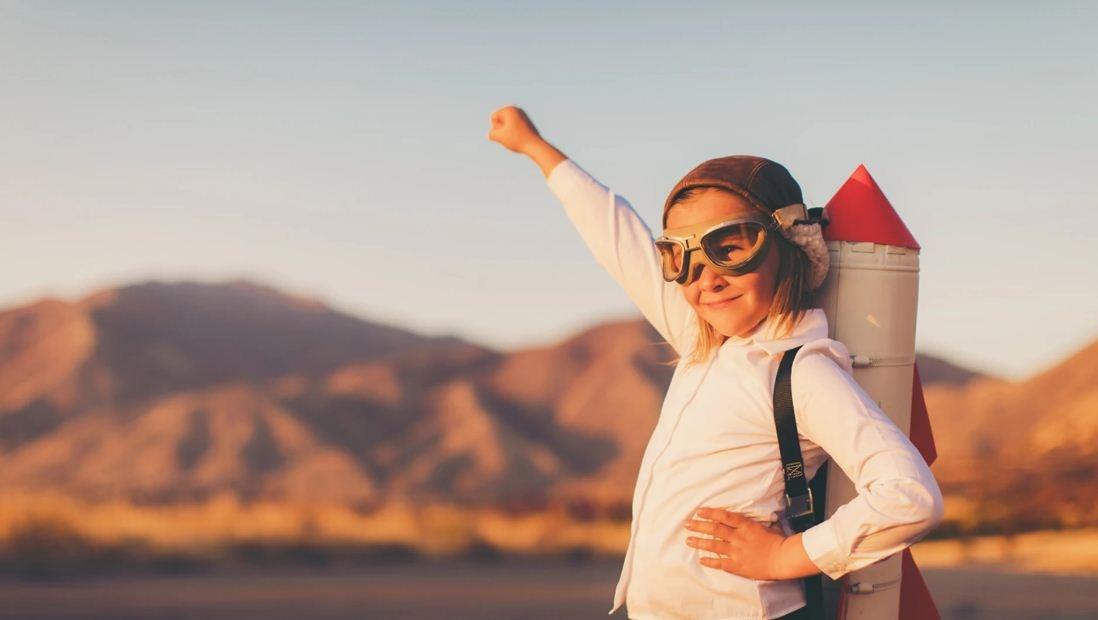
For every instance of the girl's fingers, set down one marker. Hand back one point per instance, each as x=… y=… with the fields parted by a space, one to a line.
x=719 y=530
x=725 y=564
x=708 y=544
x=729 y=518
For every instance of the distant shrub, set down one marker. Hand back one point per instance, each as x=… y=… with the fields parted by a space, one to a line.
x=620 y=512
x=47 y=545
x=578 y=555
x=582 y=510
x=482 y=551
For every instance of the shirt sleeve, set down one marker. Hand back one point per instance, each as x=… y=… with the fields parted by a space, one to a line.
x=623 y=245
x=898 y=499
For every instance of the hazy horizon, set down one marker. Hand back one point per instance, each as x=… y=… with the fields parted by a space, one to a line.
x=338 y=151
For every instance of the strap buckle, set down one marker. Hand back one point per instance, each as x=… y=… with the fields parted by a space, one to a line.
x=800 y=505
x=789 y=215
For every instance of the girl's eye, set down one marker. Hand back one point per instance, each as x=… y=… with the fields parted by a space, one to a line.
x=733 y=243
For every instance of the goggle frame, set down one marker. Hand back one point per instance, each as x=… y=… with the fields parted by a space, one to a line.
x=691 y=238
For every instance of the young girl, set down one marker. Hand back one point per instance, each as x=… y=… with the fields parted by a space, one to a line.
x=730 y=286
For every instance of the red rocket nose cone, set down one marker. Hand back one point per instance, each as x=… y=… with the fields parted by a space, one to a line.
x=859 y=211
x=861 y=175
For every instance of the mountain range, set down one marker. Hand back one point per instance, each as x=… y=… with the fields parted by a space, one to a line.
x=172 y=392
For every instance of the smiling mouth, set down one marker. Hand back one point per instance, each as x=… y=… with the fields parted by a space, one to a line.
x=723 y=301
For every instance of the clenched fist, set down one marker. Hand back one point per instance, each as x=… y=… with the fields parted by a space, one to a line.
x=513 y=129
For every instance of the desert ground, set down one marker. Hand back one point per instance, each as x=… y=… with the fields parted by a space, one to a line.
x=1038 y=575
x=543 y=591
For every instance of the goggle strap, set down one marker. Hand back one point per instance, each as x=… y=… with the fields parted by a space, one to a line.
x=788 y=215
x=791 y=215
x=817 y=215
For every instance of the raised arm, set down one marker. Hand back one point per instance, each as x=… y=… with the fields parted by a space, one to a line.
x=617 y=237
x=898 y=499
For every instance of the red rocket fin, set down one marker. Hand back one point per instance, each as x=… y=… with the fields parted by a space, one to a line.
x=859 y=211
x=915 y=600
x=920 y=433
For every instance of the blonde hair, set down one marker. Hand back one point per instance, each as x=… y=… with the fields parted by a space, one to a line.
x=792 y=296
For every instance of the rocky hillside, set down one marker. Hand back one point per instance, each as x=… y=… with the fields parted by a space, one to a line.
x=163 y=392
x=169 y=392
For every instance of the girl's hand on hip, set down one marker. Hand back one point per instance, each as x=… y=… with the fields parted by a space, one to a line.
x=748 y=548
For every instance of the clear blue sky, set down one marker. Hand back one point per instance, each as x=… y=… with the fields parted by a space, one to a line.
x=339 y=150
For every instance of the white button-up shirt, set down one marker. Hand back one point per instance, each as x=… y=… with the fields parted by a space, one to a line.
x=715 y=442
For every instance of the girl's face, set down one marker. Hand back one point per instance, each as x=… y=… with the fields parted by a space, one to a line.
x=750 y=294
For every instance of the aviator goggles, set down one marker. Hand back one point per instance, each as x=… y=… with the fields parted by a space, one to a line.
x=731 y=246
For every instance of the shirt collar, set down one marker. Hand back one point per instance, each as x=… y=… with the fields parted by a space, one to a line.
x=812 y=326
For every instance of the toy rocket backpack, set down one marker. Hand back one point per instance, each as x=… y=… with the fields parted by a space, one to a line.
x=878 y=257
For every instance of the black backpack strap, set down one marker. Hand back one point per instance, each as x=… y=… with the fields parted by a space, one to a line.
x=799 y=500
x=804 y=503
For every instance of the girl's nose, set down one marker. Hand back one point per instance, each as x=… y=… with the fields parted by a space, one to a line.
x=709 y=279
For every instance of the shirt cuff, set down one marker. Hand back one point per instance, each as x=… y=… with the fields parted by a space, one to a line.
x=823 y=548
x=565 y=178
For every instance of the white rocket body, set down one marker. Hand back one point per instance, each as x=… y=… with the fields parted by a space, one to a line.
x=870 y=298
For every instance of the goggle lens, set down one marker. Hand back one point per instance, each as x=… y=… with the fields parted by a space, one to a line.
x=734 y=244
x=670 y=259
